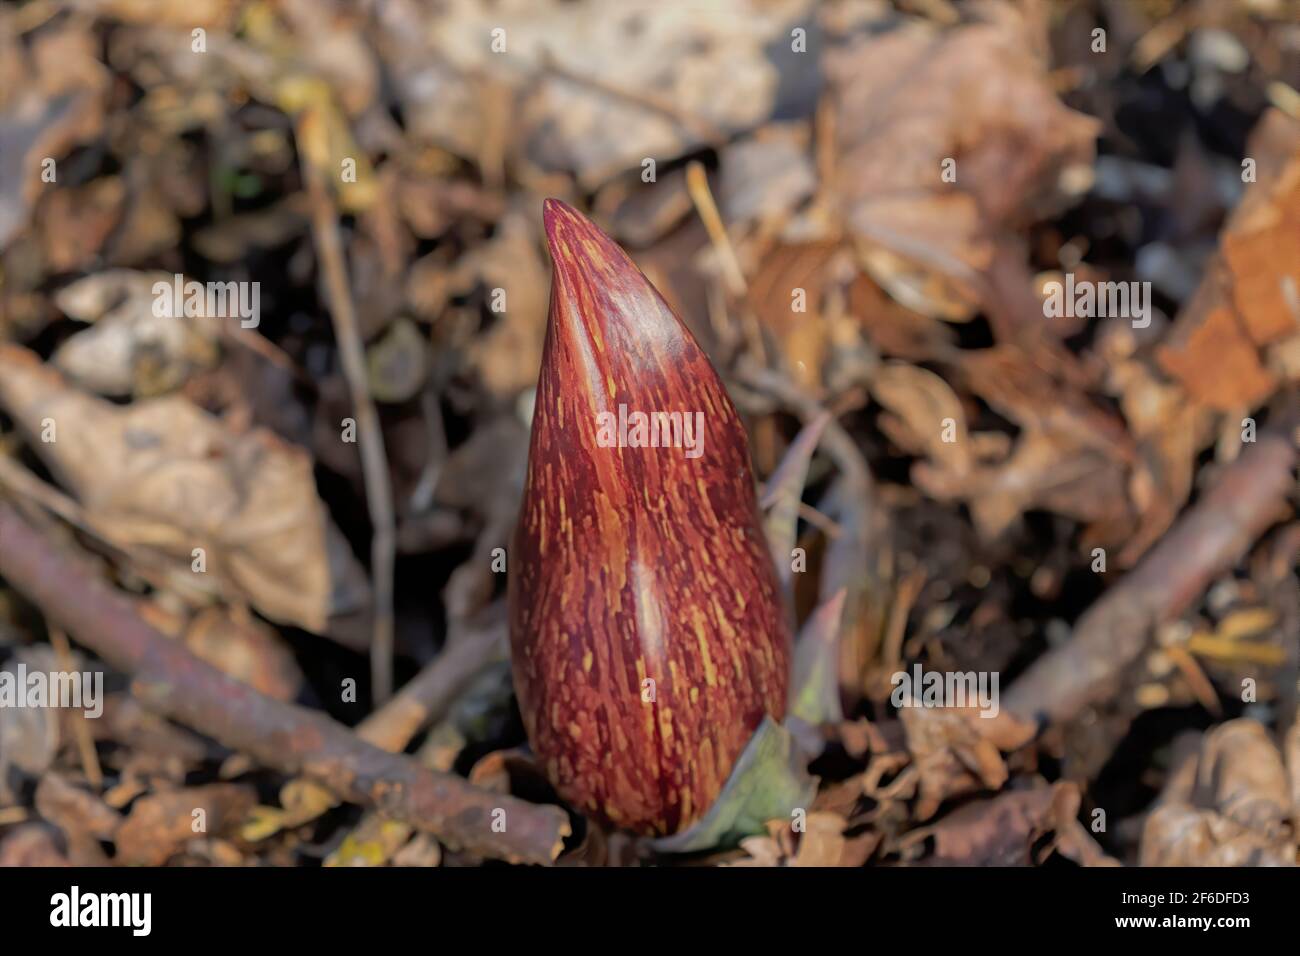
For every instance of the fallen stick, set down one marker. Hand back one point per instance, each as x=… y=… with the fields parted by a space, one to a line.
x=1209 y=539
x=421 y=701
x=171 y=681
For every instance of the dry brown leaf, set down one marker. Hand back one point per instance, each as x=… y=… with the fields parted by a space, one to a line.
x=802 y=335
x=1169 y=431
x=1179 y=835
x=1226 y=804
x=956 y=751
x=509 y=355
x=1003 y=830
x=999 y=831
x=1209 y=354
x=164 y=474
x=823 y=842
x=930 y=418
x=159 y=825
x=896 y=330
x=654 y=80
x=1241 y=775
x=1250 y=296
x=912 y=97
x=31 y=844
x=128 y=349
x=1048 y=470
x=1070 y=457
x=765 y=177
x=55 y=105
x=82 y=816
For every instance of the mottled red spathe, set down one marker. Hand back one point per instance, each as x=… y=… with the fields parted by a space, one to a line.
x=636 y=564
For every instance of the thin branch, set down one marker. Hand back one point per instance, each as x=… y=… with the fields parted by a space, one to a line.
x=374 y=461
x=171 y=681
x=1209 y=539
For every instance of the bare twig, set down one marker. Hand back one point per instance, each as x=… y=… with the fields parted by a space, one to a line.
x=374 y=461
x=697 y=184
x=85 y=742
x=171 y=681
x=1209 y=538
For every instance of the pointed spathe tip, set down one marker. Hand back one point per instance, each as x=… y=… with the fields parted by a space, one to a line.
x=555 y=215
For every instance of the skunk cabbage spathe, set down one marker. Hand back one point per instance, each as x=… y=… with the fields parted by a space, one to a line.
x=648 y=635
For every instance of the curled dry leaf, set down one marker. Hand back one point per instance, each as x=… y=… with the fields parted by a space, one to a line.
x=999 y=831
x=47 y=104
x=159 y=825
x=957 y=751
x=1241 y=775
x=166 y=475
x=765 y=178
x=977 y=97
x=1180 y=835
x=927 y=417
x=82 y=816
x=1070 y=457
x=128 y=350
x=788 y=269
x=822 y=842
x=1003 y=830
x=1168 y=429
x=1227 y=805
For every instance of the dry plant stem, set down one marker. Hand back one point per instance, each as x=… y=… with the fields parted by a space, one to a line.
x=1209 y=538
x=697 y=183
x=374 y=461
x=85 y=743
x=171 y=681
x=835 y=440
